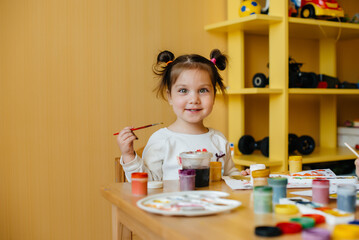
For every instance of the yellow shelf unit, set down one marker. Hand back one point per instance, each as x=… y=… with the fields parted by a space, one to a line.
x=279 y=28
x=323 y=91
x=320 y=154
x=247 y=160
x=317 y=29
x=257 y=24
x=255 y=91
x=301 y=91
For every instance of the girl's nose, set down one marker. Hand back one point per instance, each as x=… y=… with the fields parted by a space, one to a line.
x=195 y=98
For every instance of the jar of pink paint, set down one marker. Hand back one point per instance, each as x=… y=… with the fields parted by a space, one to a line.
x=320 y=191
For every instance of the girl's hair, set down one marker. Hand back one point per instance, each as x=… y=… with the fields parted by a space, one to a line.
x=168 y=68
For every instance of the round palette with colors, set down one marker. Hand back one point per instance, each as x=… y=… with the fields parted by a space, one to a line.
x=188 y=203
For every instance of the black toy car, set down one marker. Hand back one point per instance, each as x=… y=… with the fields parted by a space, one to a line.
x=297 y=78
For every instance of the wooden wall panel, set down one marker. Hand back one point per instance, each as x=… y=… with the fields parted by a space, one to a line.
x=71 y=74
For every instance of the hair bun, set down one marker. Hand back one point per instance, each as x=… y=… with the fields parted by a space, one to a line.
x=221 y=59
x=165 y=56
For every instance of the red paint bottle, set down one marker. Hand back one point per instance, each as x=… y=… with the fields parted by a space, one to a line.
x=139 y=183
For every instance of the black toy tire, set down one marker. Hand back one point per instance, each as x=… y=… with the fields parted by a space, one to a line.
x=309 y=80
x=265 y=146
x=246 y=144
x=314 y=82
x=259 y=80
x=292 y=142
x=307 y=11
x=305 y=145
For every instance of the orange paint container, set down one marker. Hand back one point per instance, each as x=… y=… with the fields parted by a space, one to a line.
x=215 y=171
x=139 y=183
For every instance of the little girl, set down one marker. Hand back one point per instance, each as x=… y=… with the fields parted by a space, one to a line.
x=190 y=83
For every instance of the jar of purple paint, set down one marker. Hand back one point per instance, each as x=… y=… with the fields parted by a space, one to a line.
x=187 y=178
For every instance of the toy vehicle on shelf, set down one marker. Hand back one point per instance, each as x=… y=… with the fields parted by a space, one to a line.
x=297 y=78
x=316 y=9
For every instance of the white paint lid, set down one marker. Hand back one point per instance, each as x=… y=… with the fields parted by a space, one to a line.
x=155 y=184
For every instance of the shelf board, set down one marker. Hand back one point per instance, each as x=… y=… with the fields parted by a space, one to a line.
x=298 y=27
x=318 y=29
x=323 y=91
x=254 y=158
x=255 y=24
x=255 y=91
x=321 y=154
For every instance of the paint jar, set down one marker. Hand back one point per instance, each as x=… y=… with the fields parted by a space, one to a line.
x=295 y=164
x=346 y=197
x=187 y=178
x=320 y=191
x=260 y=177
x=263 y=199
x=199 y=161
x=139 y=183
x=215 y=171
x=255 y=167
x=279 y=186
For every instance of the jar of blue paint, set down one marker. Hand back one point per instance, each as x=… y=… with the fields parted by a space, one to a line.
x=279 y=185
x=346 y=197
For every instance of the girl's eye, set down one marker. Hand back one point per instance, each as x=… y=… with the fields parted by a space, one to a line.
x=203 y=90
x=182 y=90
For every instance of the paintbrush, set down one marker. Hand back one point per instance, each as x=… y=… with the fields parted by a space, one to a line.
x=138 y=128
x=351 y=149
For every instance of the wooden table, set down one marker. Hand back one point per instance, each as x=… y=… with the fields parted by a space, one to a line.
x=236 y=224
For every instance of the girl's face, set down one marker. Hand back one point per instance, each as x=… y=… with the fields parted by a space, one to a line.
x=192 y=96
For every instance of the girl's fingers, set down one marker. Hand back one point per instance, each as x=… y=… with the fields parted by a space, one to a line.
x=125 y=141
x=125 y=131
x=127 y=137
x=246 y=172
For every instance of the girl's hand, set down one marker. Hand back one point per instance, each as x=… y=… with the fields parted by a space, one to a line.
x=125 y=141
x=246 y=172
x=357 y=166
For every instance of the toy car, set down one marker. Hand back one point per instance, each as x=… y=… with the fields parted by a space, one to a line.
x=297 y=78
x=320 y=9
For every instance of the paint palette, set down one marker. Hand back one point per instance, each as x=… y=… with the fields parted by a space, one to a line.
x=332 y=216
x=188 y=203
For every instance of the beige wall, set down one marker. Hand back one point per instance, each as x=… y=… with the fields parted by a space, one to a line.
x=72 y=72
